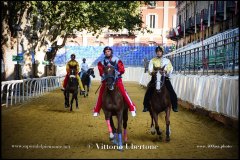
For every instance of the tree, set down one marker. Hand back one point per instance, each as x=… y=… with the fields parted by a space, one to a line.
x=52 y=20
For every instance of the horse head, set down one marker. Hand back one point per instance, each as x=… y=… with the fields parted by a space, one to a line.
x=91 y=72
x=159 y=76
x=109 y=72
x=72 y=73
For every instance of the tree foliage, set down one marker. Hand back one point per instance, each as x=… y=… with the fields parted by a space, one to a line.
x=53 y=19
x=90 y=15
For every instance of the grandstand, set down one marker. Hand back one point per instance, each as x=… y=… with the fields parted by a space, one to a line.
x=130 y=55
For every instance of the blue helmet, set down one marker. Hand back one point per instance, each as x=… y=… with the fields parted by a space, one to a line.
x=107 y=48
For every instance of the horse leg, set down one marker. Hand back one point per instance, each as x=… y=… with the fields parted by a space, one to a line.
x=167 y=119
x=85 y=93
x=76 y=99
x=153 y=131
x=67 y=99
x=125 y=119
x=155 y=117
x=107 y=118
x=87 y=89
x=120 y=117
x=72 y=102
x=114 y=139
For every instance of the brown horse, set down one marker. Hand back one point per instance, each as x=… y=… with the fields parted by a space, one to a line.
x=160 y=101
x=72 y=87
x=113 y=105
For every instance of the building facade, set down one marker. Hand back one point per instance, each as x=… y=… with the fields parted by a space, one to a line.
x=198 y=20
x=158 y=16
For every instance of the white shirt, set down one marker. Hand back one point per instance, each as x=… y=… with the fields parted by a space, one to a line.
x=84 y=67
x=161 y=62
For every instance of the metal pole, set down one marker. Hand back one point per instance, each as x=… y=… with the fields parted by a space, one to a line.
x=17 y=59
x=234 y=54
x=34 y=72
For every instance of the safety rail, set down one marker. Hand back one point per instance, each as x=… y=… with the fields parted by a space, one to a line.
x=22 y=90
x=215 y=55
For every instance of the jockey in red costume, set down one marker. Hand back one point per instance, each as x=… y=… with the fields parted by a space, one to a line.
x=120 y=69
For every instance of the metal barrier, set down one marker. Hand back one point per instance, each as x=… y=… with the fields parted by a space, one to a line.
x=22 y=90
x=215 y=55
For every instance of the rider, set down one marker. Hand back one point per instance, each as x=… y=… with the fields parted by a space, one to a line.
x=160 y=61
x=108 y=52
x=72 y=63
x=84 y=67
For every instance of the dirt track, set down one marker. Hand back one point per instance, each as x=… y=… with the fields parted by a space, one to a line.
x=43 y=122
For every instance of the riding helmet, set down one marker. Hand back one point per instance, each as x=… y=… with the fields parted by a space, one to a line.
x=107 y=48
x=159 y=48
x=73 y=55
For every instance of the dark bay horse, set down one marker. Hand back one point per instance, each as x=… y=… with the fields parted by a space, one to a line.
x=86 y=80
x=72 y=87
x=160 y=101
x=113 y=105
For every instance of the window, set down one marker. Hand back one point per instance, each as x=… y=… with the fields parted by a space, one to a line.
x=152 y=4
x=152 y=21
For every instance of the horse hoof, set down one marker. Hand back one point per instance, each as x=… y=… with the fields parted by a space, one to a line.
x=114 y=141
x=160 y=138
x=167 y=139
x=120 y=148
x=111 y=139
x=159 y=133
